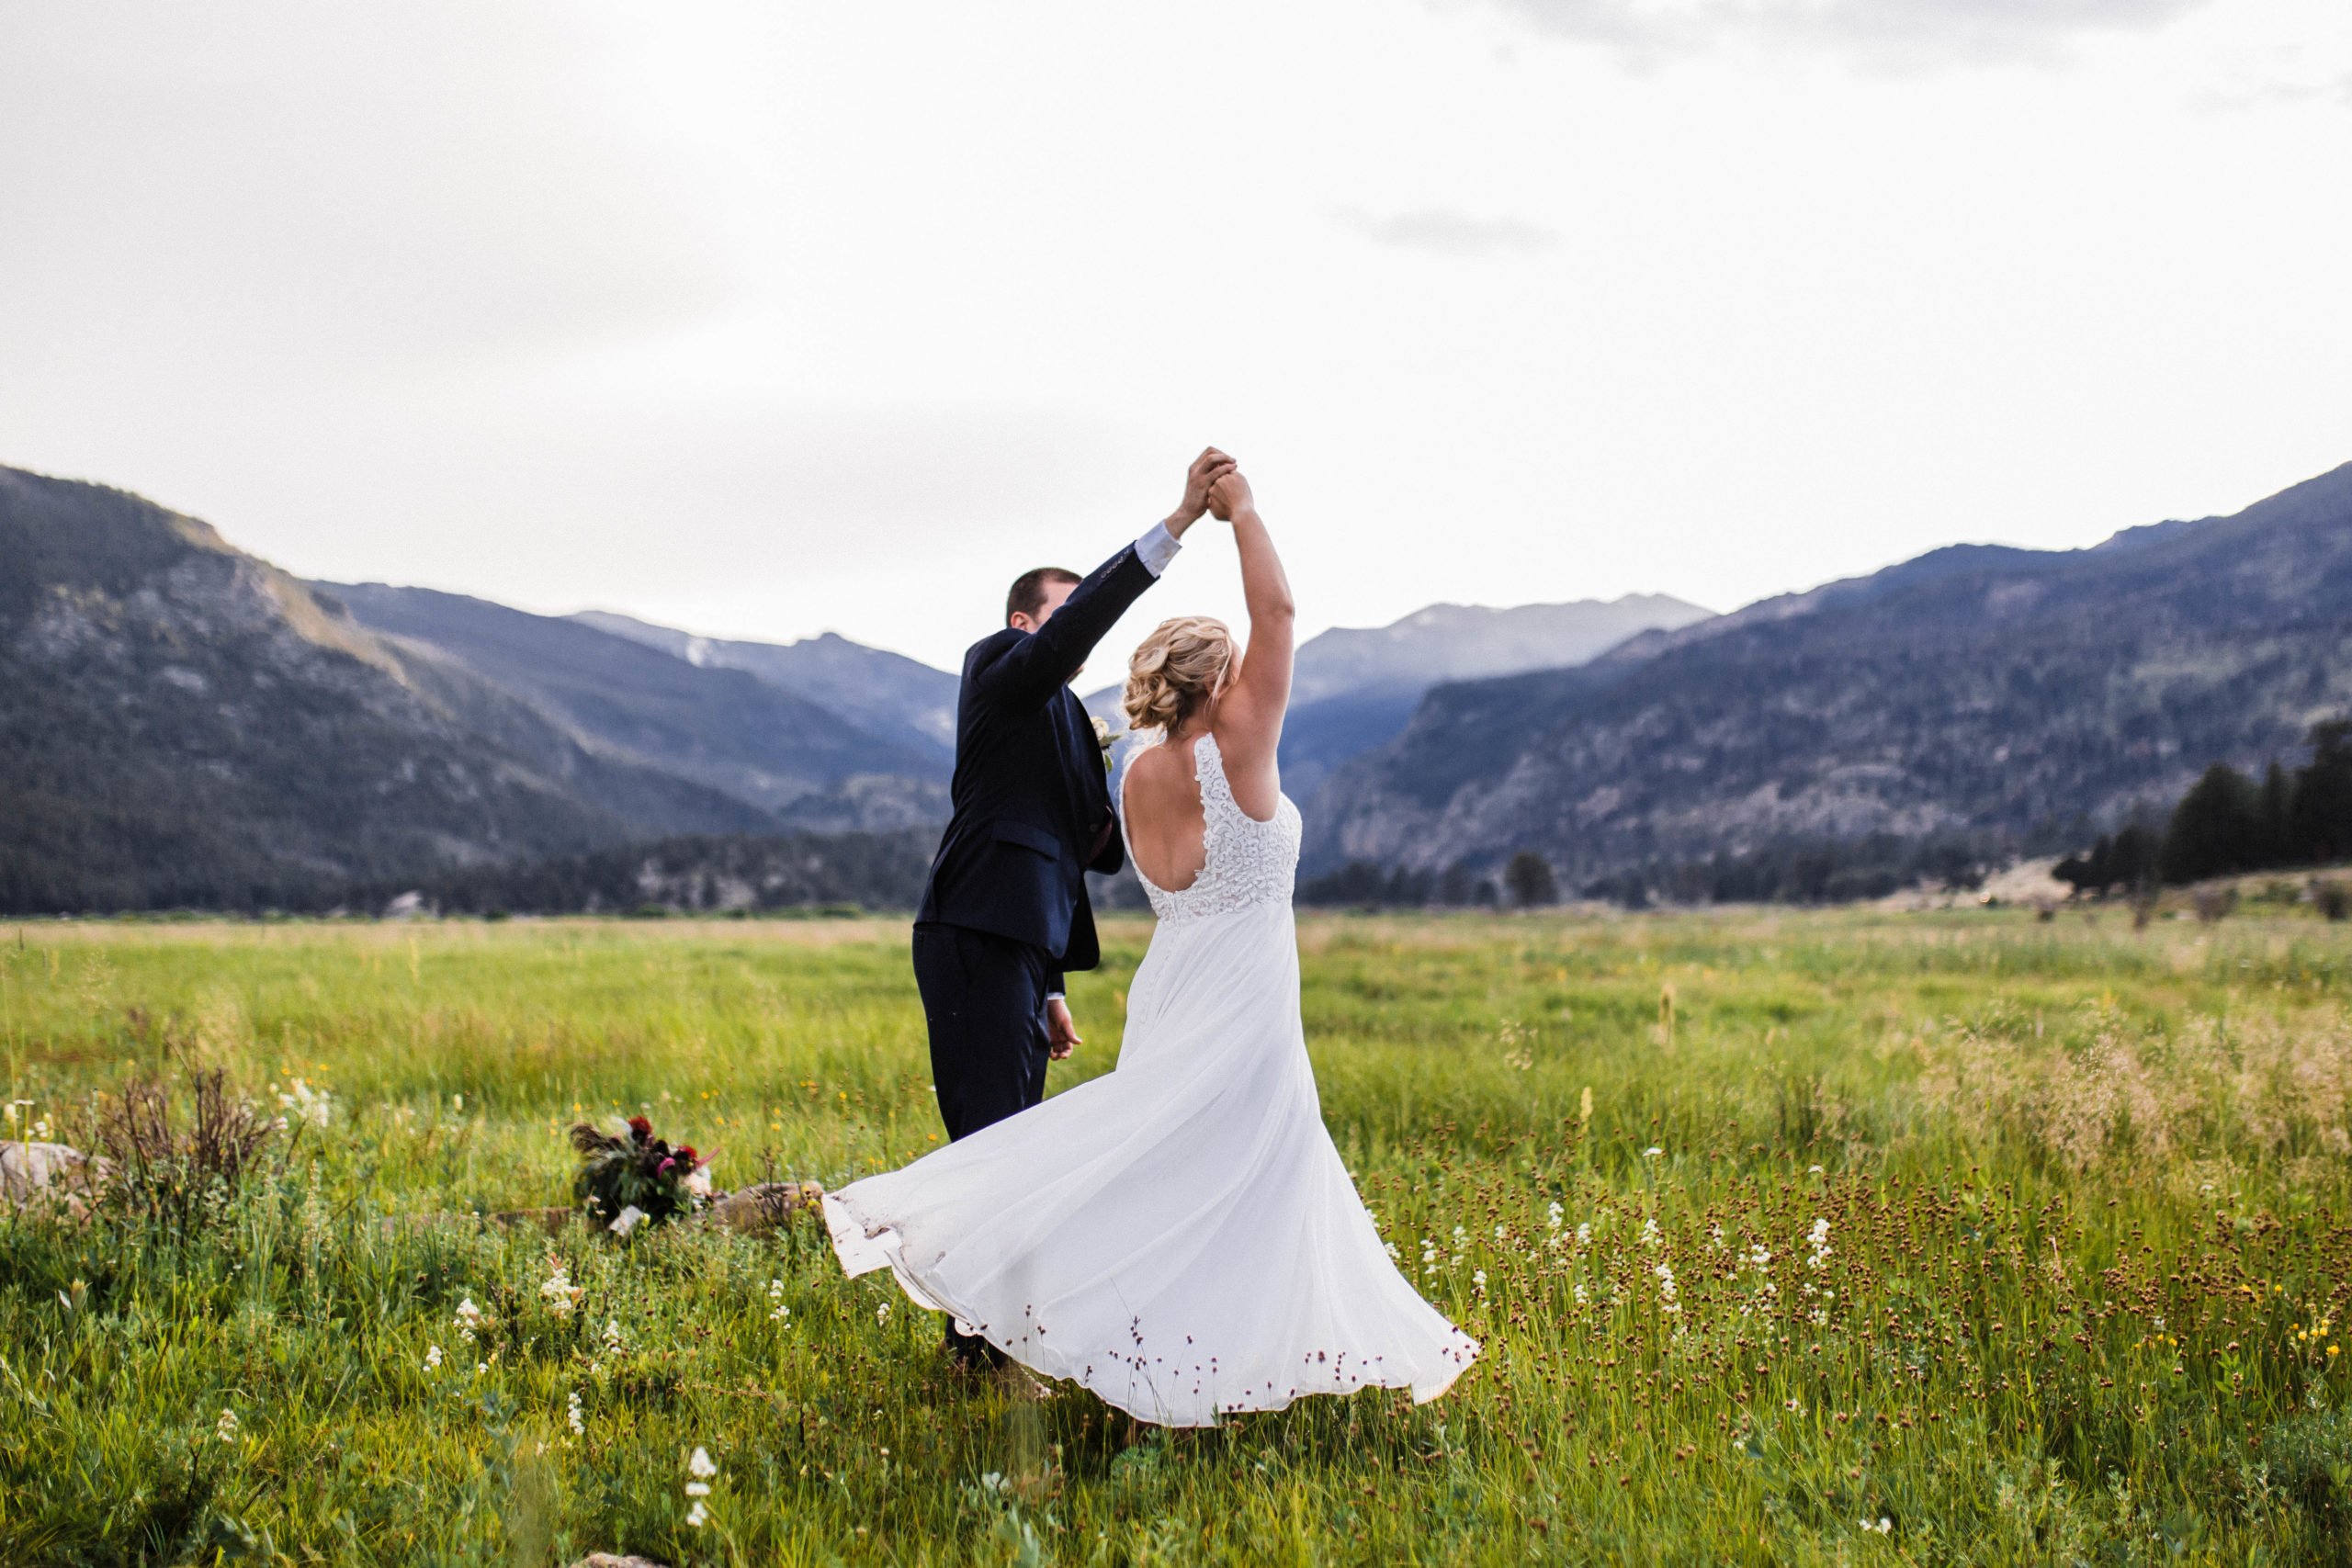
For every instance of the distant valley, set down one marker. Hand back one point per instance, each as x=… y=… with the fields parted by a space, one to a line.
x=184 y=723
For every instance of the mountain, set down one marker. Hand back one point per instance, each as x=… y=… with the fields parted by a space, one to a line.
x=725 y=728
x=1975 y=689
x=181 y=722
x=1354 y=688
x=899 y=699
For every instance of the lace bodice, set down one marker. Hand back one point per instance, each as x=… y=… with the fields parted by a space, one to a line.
x=1249 y=862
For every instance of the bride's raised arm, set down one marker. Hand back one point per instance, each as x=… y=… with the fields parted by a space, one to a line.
x=1249 y=715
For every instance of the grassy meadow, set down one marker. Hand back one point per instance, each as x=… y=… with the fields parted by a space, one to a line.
x=1843 y=1237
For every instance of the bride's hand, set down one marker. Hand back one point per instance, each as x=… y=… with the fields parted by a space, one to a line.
x=1229 y=494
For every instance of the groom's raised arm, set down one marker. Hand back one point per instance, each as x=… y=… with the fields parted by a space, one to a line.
x=1027 y=675
x=1031 y=670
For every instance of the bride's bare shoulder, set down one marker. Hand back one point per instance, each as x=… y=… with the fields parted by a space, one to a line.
x=1164 y=769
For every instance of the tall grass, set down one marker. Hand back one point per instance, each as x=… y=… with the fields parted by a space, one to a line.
x=1790 y=1238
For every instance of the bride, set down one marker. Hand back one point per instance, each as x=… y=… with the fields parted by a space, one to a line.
x=1178 y=1234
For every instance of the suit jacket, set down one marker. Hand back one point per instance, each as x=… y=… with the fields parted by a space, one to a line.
x=1029 y=793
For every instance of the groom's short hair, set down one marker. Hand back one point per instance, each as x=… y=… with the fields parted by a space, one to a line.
x=1028 y=595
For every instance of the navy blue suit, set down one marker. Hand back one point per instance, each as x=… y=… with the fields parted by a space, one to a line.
x=1004 y=912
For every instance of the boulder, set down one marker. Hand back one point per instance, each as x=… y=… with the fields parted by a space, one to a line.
x=53 y=1172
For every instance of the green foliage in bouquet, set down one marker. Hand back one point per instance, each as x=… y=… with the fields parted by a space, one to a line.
x=632 y=1177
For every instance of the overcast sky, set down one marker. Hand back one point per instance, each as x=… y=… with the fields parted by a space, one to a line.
x=767 y=318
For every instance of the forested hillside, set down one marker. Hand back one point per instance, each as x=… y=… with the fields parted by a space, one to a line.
x=1975 y=695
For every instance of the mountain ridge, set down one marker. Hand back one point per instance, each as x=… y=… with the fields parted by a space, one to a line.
x=1974 y=689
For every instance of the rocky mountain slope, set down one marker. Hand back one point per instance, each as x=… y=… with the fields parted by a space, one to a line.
x=901 y=700
x=1976 y=689
x=801 y=762
x=182 y=723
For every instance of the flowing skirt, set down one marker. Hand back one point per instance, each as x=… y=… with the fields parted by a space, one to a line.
x=1178 y=1234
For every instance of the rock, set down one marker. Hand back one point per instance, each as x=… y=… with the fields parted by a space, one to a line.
x=607 y=1560
x=765 y=1205
x=51 y=1172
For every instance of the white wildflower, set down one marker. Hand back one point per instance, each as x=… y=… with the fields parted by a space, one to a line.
x=1584 y=1233
x=433 y=1357
x=315 y=1106
x=1478 y=1278
x=1652 y=1152
x=1552 y=1216
x=1580 y=1293
x=560 y=1294
x=882 y=1314
x=1390 y=1247
x=226 y=1428
x=1650 y=1236
x=572 y=1418
x=699 y=1514
x=468 y=1316
x=1714 y=1239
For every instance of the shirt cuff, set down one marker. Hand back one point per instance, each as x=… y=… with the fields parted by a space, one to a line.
x=1053 y=996
x=1156 y=548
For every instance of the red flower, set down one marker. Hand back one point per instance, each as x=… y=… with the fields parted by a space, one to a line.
x=639 y=1128
x=686 y=1154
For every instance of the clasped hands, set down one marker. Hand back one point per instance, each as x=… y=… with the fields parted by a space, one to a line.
x=1213 y=485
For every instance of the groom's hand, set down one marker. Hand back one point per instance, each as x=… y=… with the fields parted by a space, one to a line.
x=1208 y=469
x=1061 y=1033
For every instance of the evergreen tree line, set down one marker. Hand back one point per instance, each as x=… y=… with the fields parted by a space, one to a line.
x=2228 y=823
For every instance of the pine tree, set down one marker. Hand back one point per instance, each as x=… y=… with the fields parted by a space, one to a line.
x=2214 y=829
x=2320 y=819
x=1529 y=878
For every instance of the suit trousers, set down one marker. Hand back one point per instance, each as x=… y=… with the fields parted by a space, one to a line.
x=984 y=1003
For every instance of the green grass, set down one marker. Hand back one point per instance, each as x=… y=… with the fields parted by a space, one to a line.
x=2084 y=1191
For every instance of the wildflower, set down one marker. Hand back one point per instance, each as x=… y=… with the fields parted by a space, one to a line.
x=1552 y=1216
x=572 y=1418
x=481 y=1367
x=1652 y=1152
x=780 y=1312
x=469 y=1317
x=881 y=1317
x=1650 y=1236
x=702 y=1469
x=1796 y=1406
x=433 y=1357
x=1478 y=1278
x=560 y=1294
x=315 y=1106
x=612 y=1333
x=627 y=1220
x=1580 y=1293
x=699 y=1514
x=1584 y=1233
x=1813 y=1170
x=1714 y=1239
x=226 y=1429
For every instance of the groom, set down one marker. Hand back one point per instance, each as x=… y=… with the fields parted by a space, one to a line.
x=1004 y=913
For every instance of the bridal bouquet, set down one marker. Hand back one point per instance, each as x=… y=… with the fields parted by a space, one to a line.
x=636 y=1178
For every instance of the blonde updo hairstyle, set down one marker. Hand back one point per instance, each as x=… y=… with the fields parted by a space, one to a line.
x=1182 y=665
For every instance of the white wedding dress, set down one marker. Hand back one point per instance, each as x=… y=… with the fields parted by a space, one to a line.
x=1178 y=1234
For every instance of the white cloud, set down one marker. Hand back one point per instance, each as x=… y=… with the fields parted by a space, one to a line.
x=1904 y=32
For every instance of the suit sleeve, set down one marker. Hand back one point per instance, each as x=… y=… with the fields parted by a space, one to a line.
x=1028 y=674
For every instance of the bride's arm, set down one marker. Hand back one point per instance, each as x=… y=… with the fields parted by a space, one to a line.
x=1250 y=718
